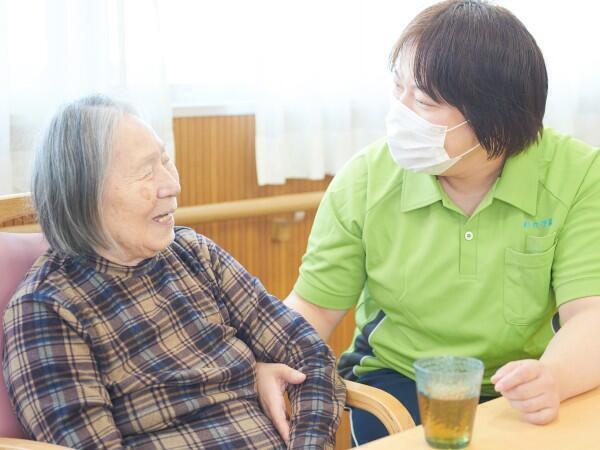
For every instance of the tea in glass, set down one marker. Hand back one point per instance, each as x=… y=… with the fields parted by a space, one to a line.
x=448 y=392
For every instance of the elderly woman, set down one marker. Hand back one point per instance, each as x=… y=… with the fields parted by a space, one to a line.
x=132 y=333
x=469 y=230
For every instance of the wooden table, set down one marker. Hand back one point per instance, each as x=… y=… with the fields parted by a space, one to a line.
x=498 y=427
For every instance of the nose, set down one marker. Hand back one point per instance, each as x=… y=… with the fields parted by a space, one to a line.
x=169 y=186
x=406 y=100
x=403 y=96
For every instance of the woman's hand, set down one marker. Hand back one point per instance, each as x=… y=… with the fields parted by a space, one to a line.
x=271 y=383
x=531 y=387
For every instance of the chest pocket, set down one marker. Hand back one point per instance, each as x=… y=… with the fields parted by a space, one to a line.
x=527 y=277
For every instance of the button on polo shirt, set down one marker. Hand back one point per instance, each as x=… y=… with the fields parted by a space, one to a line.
x=427 y=279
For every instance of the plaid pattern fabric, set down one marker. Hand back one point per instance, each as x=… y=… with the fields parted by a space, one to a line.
x=161 y=355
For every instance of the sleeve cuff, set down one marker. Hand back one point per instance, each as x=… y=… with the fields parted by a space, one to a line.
x=584 y=287
x=324 y=299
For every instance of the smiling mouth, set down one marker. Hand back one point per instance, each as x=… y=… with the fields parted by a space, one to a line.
x=164 y=218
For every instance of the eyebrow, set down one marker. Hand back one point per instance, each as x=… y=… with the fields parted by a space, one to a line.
x=152 y=157
x=412 y=86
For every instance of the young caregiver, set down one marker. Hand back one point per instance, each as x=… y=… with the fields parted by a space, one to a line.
x=469 y=230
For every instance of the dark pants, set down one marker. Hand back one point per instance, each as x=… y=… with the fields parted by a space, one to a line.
x=365 y=426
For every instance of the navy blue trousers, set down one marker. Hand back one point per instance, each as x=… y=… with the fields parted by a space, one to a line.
x=365 y=426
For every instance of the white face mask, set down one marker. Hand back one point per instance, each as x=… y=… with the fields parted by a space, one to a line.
x=416 y=144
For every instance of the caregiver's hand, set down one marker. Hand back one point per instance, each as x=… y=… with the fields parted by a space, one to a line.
x=531 y=387
x=271 y=382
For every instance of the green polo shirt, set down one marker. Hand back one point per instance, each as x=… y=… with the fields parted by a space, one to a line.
x=427 y=279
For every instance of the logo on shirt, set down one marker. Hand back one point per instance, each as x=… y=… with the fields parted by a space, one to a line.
x=544 y=223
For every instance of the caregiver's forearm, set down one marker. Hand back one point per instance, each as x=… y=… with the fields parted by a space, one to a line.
x=574 y=354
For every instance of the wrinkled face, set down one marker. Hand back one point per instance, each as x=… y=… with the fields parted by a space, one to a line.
x=139 y=196
x=458 y=140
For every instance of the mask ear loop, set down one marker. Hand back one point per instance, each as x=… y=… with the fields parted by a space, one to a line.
x=456 y=126
x=472 y=148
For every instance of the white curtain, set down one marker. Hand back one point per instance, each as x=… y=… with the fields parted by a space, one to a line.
x=58 y=50
x=5 y=159
x=567 y=34
x=314 y=72
x=323 y=91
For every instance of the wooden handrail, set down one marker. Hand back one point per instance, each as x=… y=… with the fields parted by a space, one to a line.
x=212 y=212
x=15 y=206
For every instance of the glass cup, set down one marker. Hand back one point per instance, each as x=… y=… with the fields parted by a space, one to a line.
x=448 y=390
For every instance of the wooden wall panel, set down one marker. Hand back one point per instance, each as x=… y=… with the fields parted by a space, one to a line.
x=215 y=157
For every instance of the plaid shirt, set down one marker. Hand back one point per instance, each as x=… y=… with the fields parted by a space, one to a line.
x=161 y=355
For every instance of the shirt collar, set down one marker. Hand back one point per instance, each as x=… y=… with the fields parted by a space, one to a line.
x=517 y=185
x=418 y=190
x=103 y=265
x=518 y=182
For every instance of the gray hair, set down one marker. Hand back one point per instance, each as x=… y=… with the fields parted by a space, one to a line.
x=69 y=172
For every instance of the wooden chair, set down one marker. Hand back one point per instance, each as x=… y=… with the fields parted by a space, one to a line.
x=24 y=444
x=19 y=251
x=392 y=413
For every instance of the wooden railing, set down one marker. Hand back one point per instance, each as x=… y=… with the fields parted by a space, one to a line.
x=15 y=206
x=212 y=212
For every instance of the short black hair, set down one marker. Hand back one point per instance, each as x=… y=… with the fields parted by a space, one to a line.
x=482 y=60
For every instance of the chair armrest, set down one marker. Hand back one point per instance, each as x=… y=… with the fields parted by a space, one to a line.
x=23 y=444
x=392 y=413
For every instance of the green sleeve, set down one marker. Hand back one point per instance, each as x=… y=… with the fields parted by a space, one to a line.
x=576 y=267
x=332 y=274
